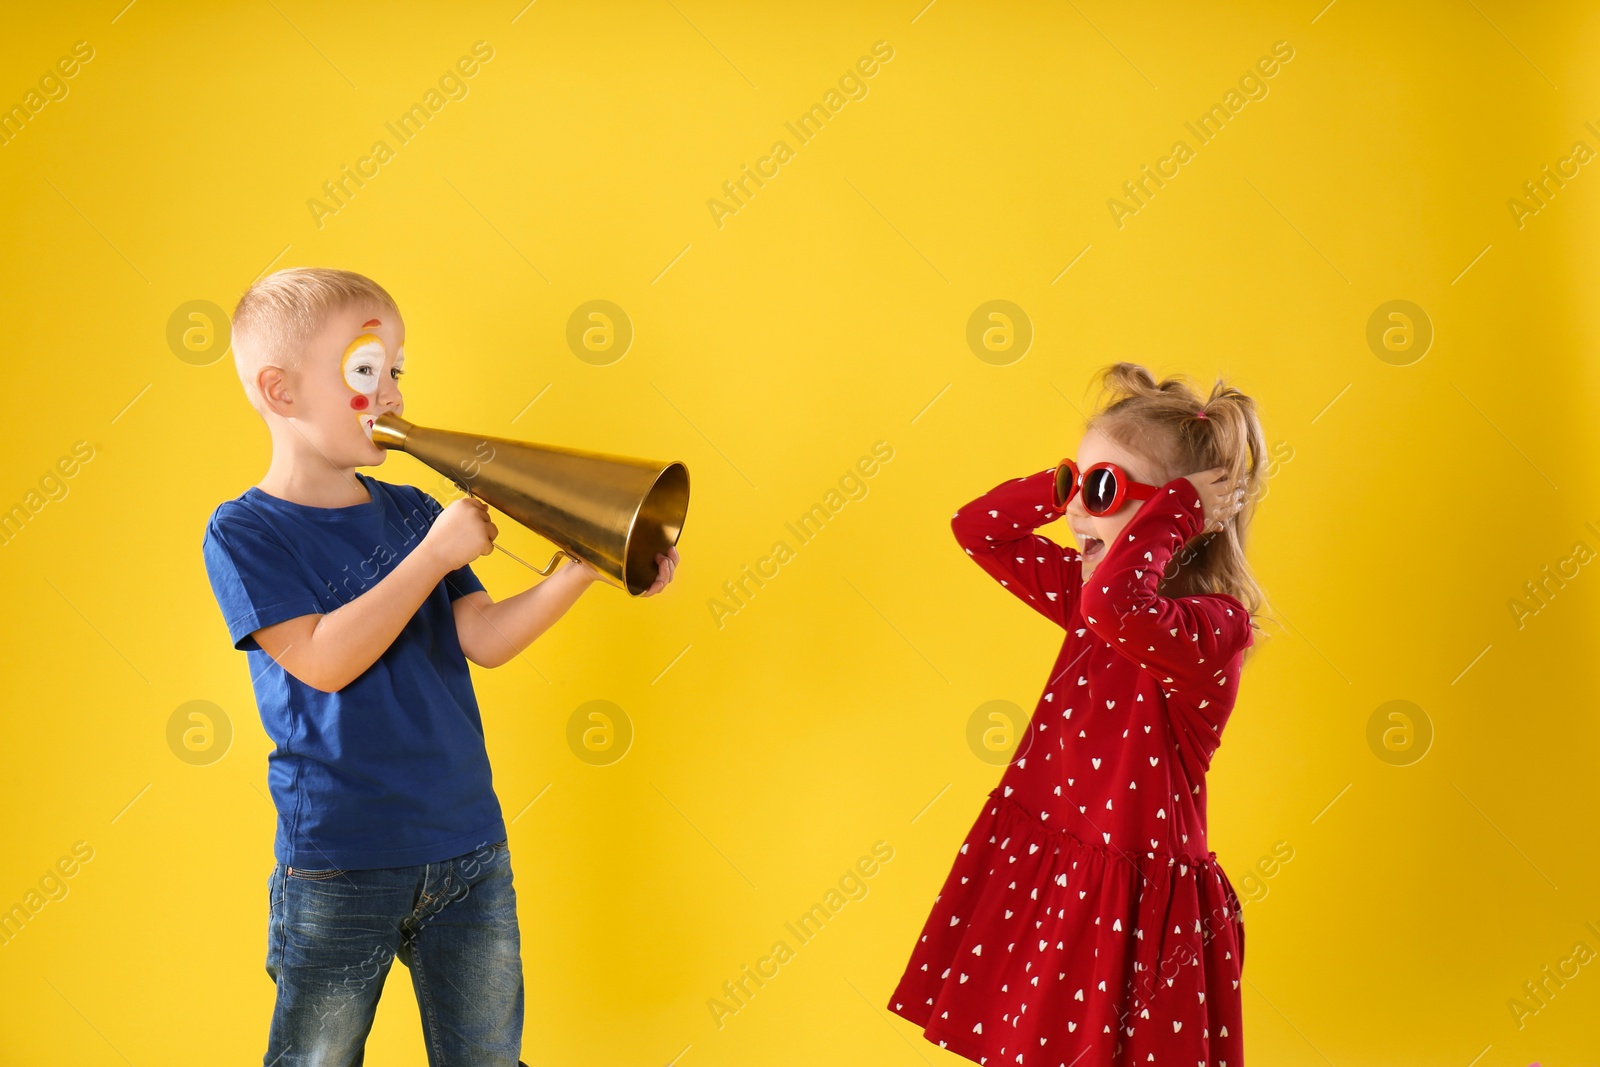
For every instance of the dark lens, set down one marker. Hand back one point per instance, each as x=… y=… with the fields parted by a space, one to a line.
x=1063 y=484
x=1099 y=490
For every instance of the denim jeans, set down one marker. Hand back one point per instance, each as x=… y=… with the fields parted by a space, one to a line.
x=332 y=935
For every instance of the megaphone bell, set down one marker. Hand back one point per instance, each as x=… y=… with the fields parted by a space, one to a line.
x=614 y=512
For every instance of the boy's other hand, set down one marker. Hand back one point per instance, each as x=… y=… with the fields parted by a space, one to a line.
x=461 y=533
x=668 y=563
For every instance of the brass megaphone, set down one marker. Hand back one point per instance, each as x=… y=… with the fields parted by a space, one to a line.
x=614 y=512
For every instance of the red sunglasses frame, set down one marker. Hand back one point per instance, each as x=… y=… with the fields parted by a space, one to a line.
x=1126 y=489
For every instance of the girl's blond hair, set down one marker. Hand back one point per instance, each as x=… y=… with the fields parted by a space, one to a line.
x=277 y=317
x=1162 y=422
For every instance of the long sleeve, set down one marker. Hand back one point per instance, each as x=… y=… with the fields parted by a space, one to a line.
x=997 y=531
x=1185 y=641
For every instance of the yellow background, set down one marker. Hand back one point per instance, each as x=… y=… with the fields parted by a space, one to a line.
x=770 y=354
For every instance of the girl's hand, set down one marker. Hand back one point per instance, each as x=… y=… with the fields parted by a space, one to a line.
x=1220 y=497
x=668 y=563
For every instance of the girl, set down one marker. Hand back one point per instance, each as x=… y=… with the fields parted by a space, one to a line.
x=1085 y=921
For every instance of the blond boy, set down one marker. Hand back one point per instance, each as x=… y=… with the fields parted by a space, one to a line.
x=358 y=608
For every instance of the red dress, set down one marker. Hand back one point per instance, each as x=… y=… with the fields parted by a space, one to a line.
x=1084 y=922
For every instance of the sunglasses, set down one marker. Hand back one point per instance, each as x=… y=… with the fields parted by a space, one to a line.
x=1105 y=487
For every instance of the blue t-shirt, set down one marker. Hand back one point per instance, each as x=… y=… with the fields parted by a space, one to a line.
x=391 y=770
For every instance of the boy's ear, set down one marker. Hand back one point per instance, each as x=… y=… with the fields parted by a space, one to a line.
x=273 y=384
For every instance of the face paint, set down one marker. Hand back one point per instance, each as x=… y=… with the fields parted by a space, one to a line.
x=362 y=362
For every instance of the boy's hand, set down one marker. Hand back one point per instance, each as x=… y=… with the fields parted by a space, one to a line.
x=1219 y=499
x=461 y=533
x=668 y=564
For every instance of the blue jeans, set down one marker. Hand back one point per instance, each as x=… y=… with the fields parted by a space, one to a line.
x=333 y=934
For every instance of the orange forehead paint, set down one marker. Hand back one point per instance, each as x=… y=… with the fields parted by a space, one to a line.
x=370 y=322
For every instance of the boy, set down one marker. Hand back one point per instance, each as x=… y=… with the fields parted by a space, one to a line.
x=357 y=605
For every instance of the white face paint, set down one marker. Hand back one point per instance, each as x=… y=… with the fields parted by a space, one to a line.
x=361 y=366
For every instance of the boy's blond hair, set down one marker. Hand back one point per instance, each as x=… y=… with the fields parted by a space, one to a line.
x=278 y=316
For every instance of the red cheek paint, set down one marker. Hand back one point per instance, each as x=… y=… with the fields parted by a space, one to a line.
x=358 y=403
x=370 y=322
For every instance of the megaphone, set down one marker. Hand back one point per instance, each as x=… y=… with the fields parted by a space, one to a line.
x=613 y=512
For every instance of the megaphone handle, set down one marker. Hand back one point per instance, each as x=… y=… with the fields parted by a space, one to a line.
x=548 y=567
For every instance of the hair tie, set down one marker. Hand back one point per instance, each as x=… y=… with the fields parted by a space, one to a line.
x=1200 y=414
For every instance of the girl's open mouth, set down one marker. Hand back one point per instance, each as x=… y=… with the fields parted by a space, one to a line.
x=1092 y=547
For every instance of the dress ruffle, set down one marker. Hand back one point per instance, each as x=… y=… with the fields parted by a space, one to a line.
x=1078 y=950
